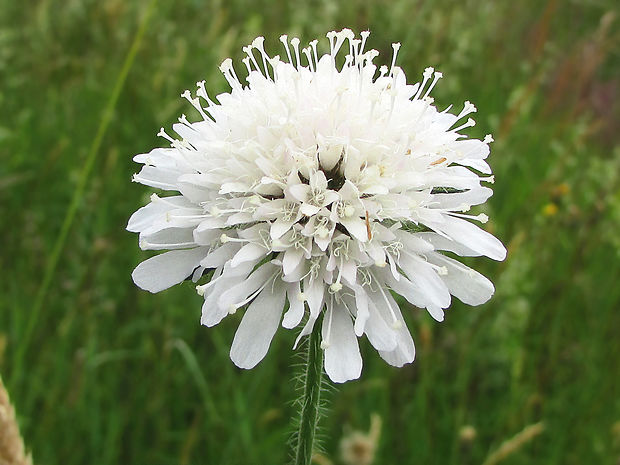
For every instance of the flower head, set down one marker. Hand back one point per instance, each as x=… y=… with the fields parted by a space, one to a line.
x=318 y=188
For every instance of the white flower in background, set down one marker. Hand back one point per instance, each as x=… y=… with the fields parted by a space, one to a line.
x=318 y=188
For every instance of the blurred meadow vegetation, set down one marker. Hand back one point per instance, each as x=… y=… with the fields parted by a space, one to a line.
x=103 y=373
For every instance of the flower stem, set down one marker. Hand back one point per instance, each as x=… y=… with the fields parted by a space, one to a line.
x=311 y=398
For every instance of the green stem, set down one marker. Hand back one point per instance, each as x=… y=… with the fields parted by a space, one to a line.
x=78 y=195
x=312 y=394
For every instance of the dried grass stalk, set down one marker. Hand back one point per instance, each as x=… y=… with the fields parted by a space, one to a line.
x=12 y=451
x=515 y=443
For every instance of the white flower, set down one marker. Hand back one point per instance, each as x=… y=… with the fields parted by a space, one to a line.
x=325 y=186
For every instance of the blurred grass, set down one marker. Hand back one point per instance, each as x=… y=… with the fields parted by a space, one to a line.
x=116 y=375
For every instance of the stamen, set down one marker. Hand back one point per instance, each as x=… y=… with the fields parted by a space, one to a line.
x=308 y=54
x=295 y=44
x=426 y=76
x=202 y=92
x=316 y=57
x=340 y=38
x=330 y=36
x=144 y=243
x=366 y=277
x=436 y=77
x=394 y=248
x=330 y=311
x=284 y=40
x=395 y=47
x=364 y=35
x=246 y=62
x=438 y=161
x=248 y=51
x=396 y=324
x=228 y=71
x=335 y=287
x=468 y=108
x=183 y=120
x=481 y=217
x=258 y=44
x=233 y=307
x=162 y=133
x=470 y=122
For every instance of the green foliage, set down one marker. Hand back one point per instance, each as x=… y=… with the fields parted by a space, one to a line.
x=116 y=375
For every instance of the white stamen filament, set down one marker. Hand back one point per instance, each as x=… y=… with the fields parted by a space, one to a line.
x=396 y=324
x=330 y=312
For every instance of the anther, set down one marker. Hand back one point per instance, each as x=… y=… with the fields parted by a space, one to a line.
x=335 y=287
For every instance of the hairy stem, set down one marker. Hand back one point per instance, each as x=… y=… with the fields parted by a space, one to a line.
x=311 y=398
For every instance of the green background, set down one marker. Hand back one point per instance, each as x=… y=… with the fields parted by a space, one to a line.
x=103 y=373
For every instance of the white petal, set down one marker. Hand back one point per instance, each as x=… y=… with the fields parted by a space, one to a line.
x=362 y=312
x=248 y=253
x=380 y=335
x=357 y=227
x=163 y=157
x=229 y=187
x=296 y=306
x=405 y=348
x=240 y=292
x=259 y=324
x=472 y=148
x=443 y=243
x=145 y=216
x=211 y=313
x=349 y=271
x=281 y=227
x=476 y=164
x=308 y=209
x=318 y=181
x=436 y=312
x=410 y=291
x=299 y=192
x=292 y=258
x=343 y=361
x=167 y=269
x=474 y=238
x=193 y=187
x=330 y=197
x=404 y=352
x=220 y=255
x=307 y=329
x=206 y=237
x=314 y=294
x=239 y=218
x=160 y=178
x=425 y=278
x=460 y=199
x=170 y=239
x=466 y=284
